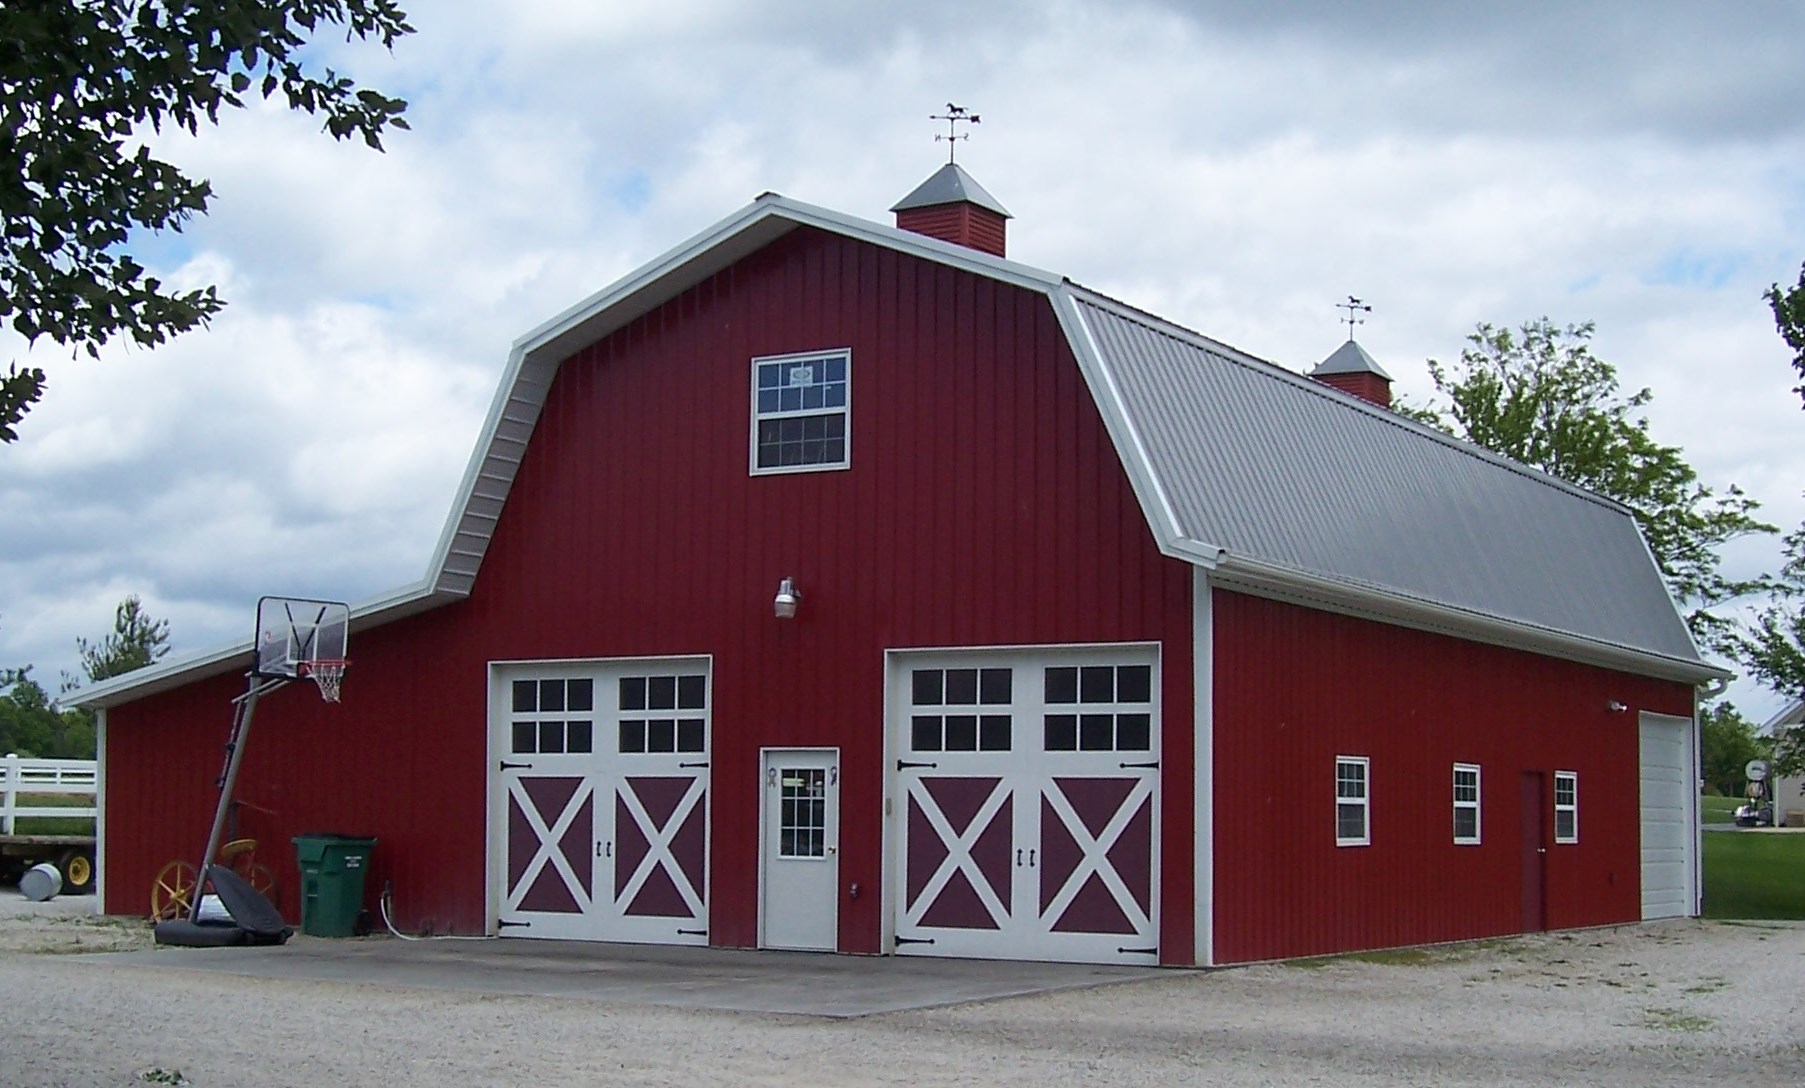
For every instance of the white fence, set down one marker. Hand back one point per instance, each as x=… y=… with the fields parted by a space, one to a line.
x=40 y=776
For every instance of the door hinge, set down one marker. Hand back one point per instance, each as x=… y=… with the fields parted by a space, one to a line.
x=692 y=933
x=1139 y=951
x=1154 y=765
x=704 y=763
x=503 y=923
x=506 y=766
x=900 y=941
x=903 y=765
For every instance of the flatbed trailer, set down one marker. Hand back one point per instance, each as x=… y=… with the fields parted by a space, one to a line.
x=23 y=778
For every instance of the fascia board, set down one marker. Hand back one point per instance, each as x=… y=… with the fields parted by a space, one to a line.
x=1156 y=503
x=1262 y=579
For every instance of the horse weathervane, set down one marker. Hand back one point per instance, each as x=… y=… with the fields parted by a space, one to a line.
x=1354 y=308
x=953 y=116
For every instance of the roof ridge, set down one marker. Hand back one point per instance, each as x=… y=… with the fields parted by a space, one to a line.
x=1172 y=329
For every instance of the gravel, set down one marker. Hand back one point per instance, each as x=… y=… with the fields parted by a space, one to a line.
x=1670 y=1003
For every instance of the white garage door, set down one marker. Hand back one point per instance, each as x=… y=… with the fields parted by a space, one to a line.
x=1669 y=788
x=1026 y=811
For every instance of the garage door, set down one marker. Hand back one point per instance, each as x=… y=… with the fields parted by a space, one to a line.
x=1027 y=810
x=1669 y=790
x=600 y=829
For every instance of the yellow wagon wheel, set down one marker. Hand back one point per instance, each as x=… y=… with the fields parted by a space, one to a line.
x=171 y=891
x=262 y=879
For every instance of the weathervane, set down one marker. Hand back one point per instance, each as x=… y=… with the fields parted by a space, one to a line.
x=1354 y=308
x=952 y=117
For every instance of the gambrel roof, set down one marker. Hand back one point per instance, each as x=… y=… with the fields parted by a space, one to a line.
x=1272 y=482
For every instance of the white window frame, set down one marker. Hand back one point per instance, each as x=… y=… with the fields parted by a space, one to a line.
x=1363 y=802
x=844 y=411
x=1466 y=804
x=1571 y=808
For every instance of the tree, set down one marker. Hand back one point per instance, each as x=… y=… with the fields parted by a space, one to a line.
x=1773 y=646
x=83 y=84
x=1727 y=742
x=137 y=640
x=1538 y=395
x=31 y=724
x=1788 y=305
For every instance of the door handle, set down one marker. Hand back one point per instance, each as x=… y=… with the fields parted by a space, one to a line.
x=1541 y=849
x=604 y=849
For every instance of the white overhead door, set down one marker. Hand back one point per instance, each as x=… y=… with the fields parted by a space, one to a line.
x=1026 y=815
x=1669 y=793
x=601 y=828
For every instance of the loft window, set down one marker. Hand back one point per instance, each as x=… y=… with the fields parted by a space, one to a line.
x=1566 y=806
x=1352 y=827
x=1466 y=804
x=800 y=411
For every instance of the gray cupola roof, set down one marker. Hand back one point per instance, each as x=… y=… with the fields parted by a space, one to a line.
x=1349 y=358
x=950 y=185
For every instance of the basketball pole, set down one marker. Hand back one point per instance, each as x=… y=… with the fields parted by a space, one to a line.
x=244 y=706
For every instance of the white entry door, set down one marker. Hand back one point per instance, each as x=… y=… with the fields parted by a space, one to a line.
x=1669 y=793
x=602 y=828
x=1026 y=811
x=800 y=812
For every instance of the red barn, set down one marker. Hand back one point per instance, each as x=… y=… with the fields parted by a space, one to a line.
x=837 y=586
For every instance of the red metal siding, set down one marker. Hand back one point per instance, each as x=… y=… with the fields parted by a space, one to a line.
x=1294 y=688
x=985 y=505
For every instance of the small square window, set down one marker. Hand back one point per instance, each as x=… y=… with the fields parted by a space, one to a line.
x=1134 y=684
x=526 y=738
x=961 y=732
x=1097 y=684
x=692 y=735
x=579 y=736
x=632 y=735
x=692 y=692
x=961 y=687
x=993 y=733
x=993 y=686
x=661 y=693
x=924 y=733
x=927 y=687
x=551 y=695
x=526 y=696
x=661 y=735
x=1062 y=685
x=1062 y=732
x=551 y=737
x=1134 y=732
x=582 y=695
x=1096 y=732
x=633 y=693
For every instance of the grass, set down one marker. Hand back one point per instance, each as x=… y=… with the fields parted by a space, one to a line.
x=55 y=825
x=1717 y=810
x=1754 y=875
x=1674 y=1020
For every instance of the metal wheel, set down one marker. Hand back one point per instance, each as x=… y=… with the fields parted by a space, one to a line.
x=171 y=891
x=262 y=879
x=78 y=871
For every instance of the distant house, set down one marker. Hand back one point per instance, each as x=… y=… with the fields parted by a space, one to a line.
x=832 y=585
x=1789 y=793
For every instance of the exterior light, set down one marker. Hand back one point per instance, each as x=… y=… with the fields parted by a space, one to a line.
x=788 y=597
x=1616 y=707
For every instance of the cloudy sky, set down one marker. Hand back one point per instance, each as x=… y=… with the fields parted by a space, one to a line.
x=1238 y=166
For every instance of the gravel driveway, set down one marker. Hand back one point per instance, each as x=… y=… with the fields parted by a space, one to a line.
x=1674 y=1003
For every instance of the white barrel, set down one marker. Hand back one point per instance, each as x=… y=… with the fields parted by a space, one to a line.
x=40 y=882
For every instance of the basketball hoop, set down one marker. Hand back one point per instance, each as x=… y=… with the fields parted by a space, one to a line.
x=325 y=672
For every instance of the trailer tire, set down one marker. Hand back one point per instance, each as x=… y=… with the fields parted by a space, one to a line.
x=77 y=867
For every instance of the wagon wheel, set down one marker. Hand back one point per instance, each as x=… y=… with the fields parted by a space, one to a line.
x=78 y=870
x=262 y=880
x=170 y=892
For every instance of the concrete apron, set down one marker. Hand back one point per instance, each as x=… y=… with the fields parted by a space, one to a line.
x=738 y=980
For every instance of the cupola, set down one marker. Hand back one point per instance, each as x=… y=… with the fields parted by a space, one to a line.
x=954 y=208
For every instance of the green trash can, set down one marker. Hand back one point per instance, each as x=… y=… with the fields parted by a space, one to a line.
x=332 y=882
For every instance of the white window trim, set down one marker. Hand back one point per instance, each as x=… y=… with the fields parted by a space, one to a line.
x=1364 y=801
x=845 y=411
x=1572 y=777
x=1466 y=840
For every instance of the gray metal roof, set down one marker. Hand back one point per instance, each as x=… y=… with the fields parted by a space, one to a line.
x=1283 y=476
x=1350 y=358
x=950 y=185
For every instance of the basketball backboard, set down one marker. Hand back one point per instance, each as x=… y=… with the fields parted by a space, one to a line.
x=292 y=632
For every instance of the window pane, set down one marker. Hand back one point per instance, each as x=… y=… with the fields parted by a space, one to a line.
x=551 y=695
x=1565 y=823
x=526 y=738
x=961 y=686
x=1466 y=823
x=692 y=692
x=924 y=734
x=661 y=693
x=526 y=696
x=632 y=735
x=1062 y=732
x=551 y=736
x=582 y=695
x=1134 y=684
x=993 y=686
x=1097 y=684
x=993 y=733
x=927 y=687
x=1350 y=821
x=1062 y=685
x=661 y=735
x=579 y=736
x=691 y=735
x=1134 y=732
x=1096 y=732
x=961 y=732
x=633 y=693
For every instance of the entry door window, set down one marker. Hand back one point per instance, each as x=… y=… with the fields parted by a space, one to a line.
x=802 y=815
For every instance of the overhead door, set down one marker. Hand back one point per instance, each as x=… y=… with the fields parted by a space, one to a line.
x=1027 y=804
x=1669 y=792
x=601 y=828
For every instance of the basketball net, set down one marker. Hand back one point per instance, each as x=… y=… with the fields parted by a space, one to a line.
x=326 y=673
